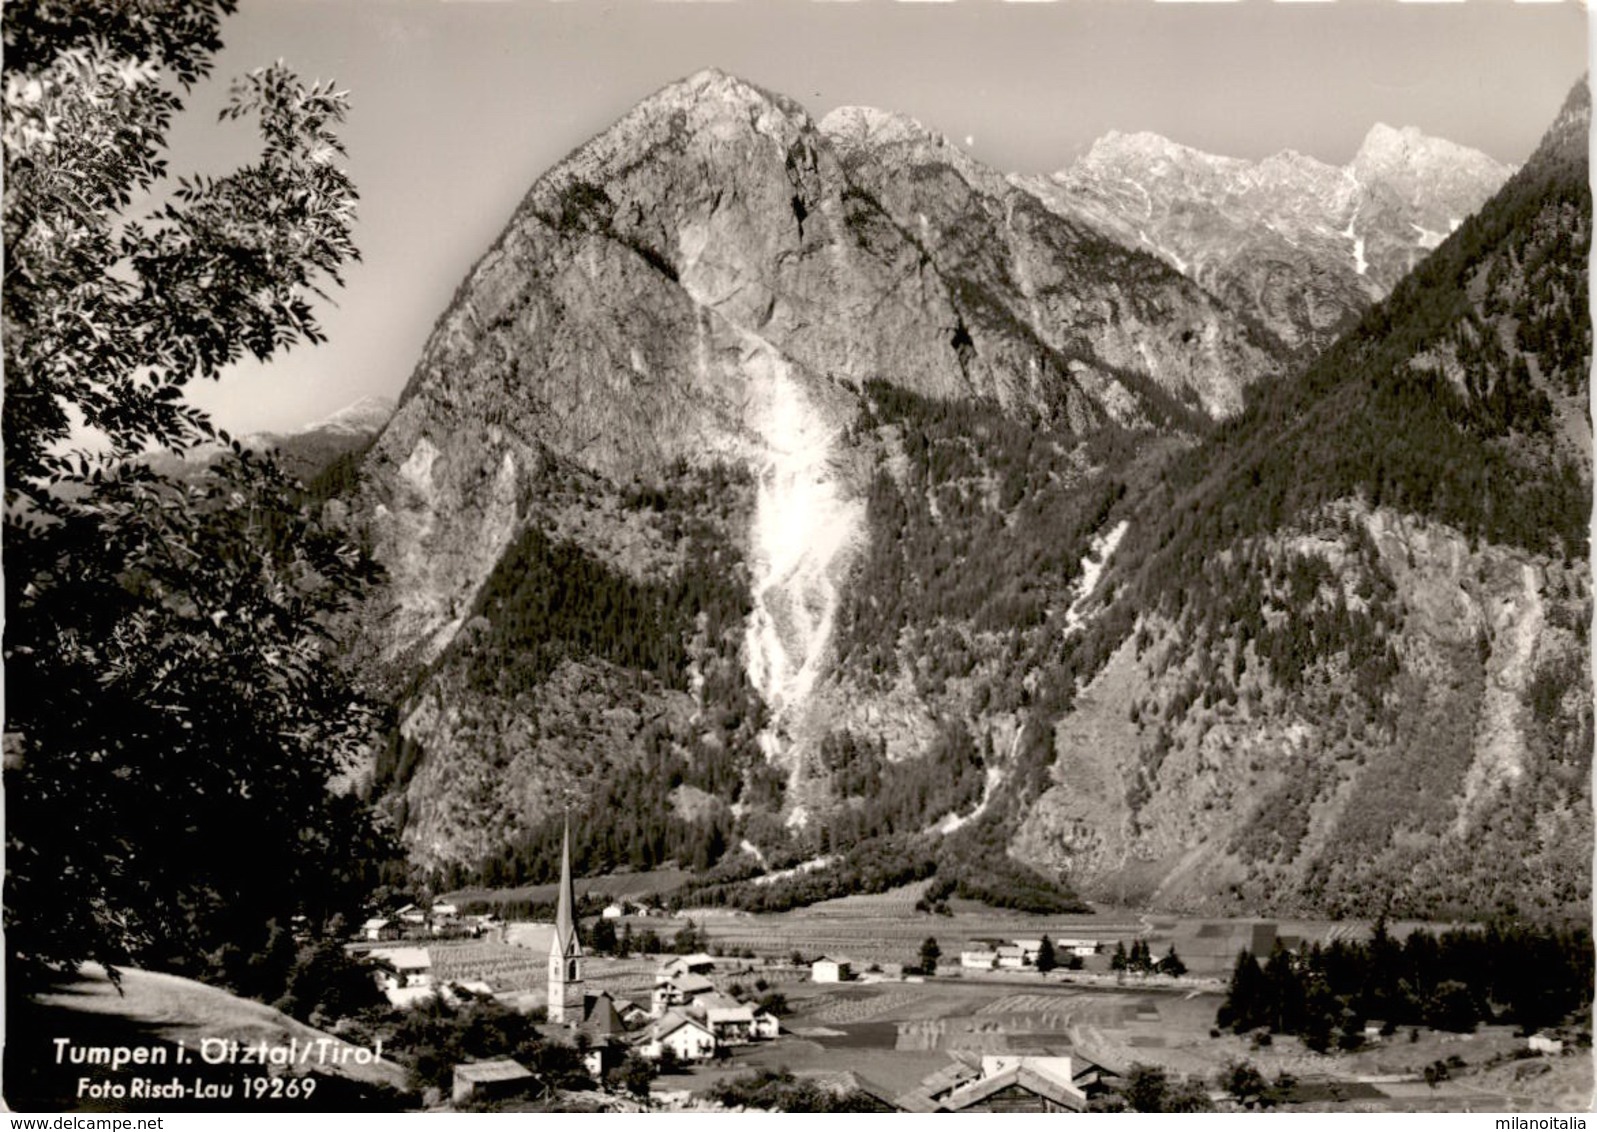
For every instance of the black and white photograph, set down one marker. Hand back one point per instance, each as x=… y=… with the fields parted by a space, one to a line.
x=767 y=556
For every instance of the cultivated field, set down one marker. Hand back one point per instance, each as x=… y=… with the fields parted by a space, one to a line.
x=895 y=1034
x=629 y=886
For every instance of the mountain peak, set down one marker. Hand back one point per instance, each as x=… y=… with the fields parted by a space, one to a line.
x=720 y=88
x=366 y=415
x=1407 y=152
x=1141 y=145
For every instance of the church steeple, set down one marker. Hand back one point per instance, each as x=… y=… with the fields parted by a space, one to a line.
x=565 y=922
x=565 y=951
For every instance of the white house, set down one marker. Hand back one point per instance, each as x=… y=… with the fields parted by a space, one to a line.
x=403 y=998
x=697 y=964
x=444 y=910
x=412 y=966
x=379 y=928
x=729 y=1020
x=1081 y=947
x=678 y=992
x=827 y=969
x=765 y=1026
x=688 y=1038
x=1012 y=957
x=978 y=958
x=1544 y=1043
x=613 y=912
x=410 y=914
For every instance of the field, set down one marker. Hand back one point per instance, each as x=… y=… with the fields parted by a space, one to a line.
x=895 y=1034
x=630 y=886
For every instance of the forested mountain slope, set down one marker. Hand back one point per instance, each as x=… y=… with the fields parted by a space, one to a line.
x=1346 y=660
x=775 y=492
x=622 y=495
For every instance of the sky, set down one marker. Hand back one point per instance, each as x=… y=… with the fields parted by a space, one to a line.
x=459 y=105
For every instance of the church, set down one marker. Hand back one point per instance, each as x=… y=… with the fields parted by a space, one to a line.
x=572 y=1010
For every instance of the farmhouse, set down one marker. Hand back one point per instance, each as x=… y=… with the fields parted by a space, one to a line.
x=633 y=1015
x=444 y=910
x=828 y=969
x=678 y=992
x=686 y=1037
x=978 y=958
x=613 y=912
x=412 y=966
x=765 y=1026
x=410 y=914
x=1012 y=957
x=1000 y=1084
x=731 y=1021
x=699 y=964
x=490 y=1080
x=379 y=928
x=1081 y=947
x=1544 y=1043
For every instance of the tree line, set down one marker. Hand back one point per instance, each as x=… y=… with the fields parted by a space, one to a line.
x=1326 y=994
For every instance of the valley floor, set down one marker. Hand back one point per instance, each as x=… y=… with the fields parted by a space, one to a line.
x=890 y=1036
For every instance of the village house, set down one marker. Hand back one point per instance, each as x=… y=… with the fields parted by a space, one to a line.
x=697 y=964
x=687 y=1038
x=613 y=912
x=828 y=969
x=1011 y=957
x=379 y=928
x=498 y=1079
x=765 y=1026
x=1002 y=1083
x=978 y=957
x=412 y=966
x=1082 y=947
x=412 y=915
x=444 y=910
x=678 y=992
x=1544 y=1043
x=633 y=1015
x=731 y=1021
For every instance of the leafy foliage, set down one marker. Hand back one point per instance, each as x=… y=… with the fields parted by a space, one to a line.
x=109 y=315
x=173 y=717
x=433 y=1037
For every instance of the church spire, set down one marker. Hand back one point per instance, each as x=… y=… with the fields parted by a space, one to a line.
x=565 y=922
x=565 y=952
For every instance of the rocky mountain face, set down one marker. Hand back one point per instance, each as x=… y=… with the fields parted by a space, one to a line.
x=1349 y=667
x=776 y=491
x=1302 y=245
x=707 y=285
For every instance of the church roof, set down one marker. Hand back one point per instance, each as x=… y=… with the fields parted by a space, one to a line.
x=565 y=918
x=600 y=1015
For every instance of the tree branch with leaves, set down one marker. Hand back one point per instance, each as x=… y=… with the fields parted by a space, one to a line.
x=176 y=717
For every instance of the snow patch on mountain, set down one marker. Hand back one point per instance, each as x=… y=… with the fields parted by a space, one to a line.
x=1092 y=568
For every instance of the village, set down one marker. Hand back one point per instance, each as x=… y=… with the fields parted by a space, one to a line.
x=1001 y=1022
